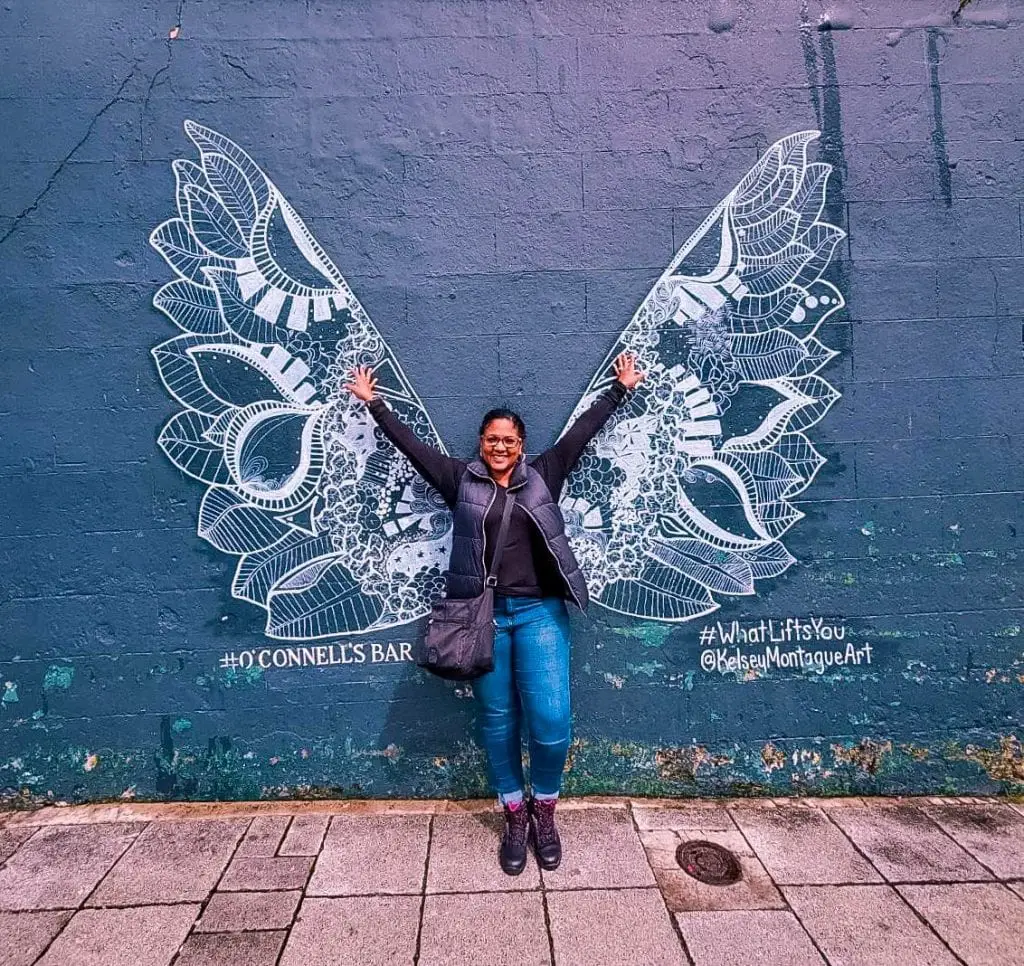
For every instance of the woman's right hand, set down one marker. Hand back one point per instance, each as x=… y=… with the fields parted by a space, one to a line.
x=363 y=383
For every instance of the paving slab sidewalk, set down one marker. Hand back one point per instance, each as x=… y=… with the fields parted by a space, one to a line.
x=864 y=882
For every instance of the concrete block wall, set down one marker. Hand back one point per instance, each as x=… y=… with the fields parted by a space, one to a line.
x=501 y=181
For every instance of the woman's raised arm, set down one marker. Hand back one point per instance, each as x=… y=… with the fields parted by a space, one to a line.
x=442 y=472
x=556 y=463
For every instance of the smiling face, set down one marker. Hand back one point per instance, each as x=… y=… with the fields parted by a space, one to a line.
x=500 y=446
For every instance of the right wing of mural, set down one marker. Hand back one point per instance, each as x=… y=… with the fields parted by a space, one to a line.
x=335 y=532
x=686 y=492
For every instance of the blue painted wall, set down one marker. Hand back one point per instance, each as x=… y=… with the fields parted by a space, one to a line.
x=501 y=182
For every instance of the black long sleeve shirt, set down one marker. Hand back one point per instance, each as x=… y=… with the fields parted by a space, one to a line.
x=527 y=567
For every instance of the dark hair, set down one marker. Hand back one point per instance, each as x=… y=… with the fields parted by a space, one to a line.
x=502 y=413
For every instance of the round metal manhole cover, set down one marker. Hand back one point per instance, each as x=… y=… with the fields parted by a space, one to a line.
x=709 y=863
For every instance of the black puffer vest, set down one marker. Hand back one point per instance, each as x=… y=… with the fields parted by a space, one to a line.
x=476 y=491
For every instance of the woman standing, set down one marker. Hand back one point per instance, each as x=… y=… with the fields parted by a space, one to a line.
x=536 y=575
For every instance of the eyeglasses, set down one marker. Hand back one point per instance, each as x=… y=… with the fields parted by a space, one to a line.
x=509 y=442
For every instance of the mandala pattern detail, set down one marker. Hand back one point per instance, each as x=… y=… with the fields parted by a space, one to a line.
x=686 y=492
x=334 y=531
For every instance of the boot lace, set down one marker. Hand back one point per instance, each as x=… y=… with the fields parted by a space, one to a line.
x=517 y=826
x=544 y=816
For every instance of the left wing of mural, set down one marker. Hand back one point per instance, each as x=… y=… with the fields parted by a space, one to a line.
x=335 y=532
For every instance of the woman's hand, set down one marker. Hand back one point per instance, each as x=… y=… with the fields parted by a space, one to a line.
x=363 y=383
x=626 y=371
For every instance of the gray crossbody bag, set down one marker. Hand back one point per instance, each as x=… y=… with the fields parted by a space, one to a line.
x=459 y=643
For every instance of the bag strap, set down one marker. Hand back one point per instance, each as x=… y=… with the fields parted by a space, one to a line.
x=499 y=546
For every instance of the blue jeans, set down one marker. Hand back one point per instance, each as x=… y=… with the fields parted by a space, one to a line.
x=530 y=681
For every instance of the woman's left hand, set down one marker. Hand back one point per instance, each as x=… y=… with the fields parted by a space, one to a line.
x=626 y=371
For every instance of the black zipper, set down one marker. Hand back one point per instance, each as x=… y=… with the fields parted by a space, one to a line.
x=483 y=555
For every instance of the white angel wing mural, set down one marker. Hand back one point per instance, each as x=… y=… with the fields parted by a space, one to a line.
x=685 y=493
x=683 y=496
x=334 y=531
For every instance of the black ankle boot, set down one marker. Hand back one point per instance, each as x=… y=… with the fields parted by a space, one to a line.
x=512 y=855
x=545 y=834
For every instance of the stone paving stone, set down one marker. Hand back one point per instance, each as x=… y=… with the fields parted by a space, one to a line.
x=982 y=922
x=684 y=893
x=232 y=949
x=241 y=911
x=993 y=834
x=253 y=875
x=742 y=938
x=907 y=846
x=371 y=854
x=1017 y=887
x=683 y=817
x=305 y=835
x=370 y=931
x=489 y=929
x=866 y=925
x=141 y=936
x=626 y=927
x=464 y=856
x=24 y=935
x=59 y=866
x=660 y=845
x=801 y=846
x=11 y=839
x=170 y=862
x=264 y=836
x=600 y=849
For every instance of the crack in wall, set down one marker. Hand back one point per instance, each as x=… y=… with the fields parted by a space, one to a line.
x=238 y=66
x=63 y=163
x=22 y=215
x=145 y=102
x=116 y=99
